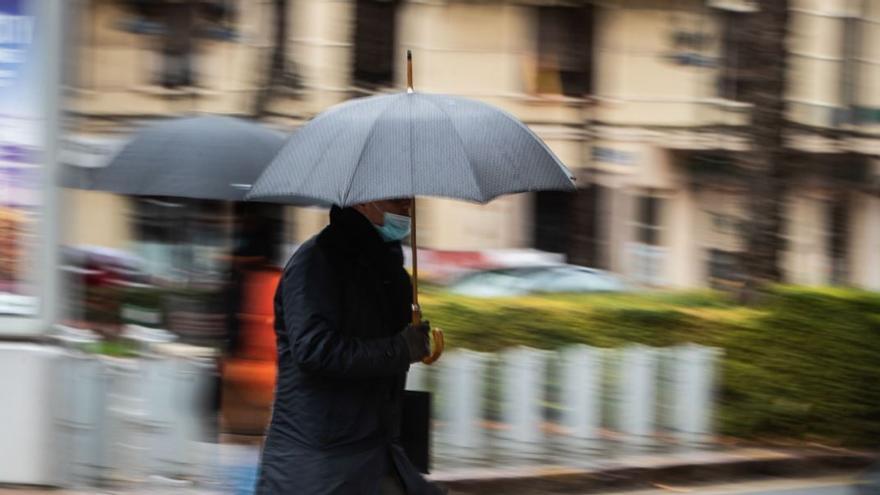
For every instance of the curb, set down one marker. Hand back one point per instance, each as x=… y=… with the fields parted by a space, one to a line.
x=713 y=468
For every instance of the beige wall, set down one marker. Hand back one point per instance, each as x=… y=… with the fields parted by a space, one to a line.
x=805 y=261
x=636 y=82
x=321 y=32
x=817 y=59
x=308 y=222
x=864 y=241
x=613 y=228
x=686 y=265
x=458 y=226
x=115 y=68
x=95 y=218
x=469 y=49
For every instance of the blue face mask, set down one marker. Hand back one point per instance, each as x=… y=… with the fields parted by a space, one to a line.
x=396 y=227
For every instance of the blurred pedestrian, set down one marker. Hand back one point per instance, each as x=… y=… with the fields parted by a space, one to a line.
x=345 y=344
x=257 y=240
x=251 y=280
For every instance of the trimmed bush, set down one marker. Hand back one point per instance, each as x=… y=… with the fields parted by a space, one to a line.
x=804 y=365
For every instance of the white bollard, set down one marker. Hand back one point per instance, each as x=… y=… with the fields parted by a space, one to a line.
x=461 y=384
x=85 y=389
x=581 y=376
x=693 y=385
x=167 y=404
x=126 y=445
x=523 y=375
x=637 y=394
x=80 y=396
x=140 y=405
x=180 y=392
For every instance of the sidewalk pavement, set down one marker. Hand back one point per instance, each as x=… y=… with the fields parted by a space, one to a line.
x=660 y=469
x=633 y=472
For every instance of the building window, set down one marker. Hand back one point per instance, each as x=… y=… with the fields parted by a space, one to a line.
x=724 y=272
x=647 y=222
x=850 y=44
x=569 y=223
x=552 y=226
x=726 y=224
x=838 y=245
x=176 y=28
x=374 y=43
x=565 y=50
x=732 y=77
x=646 y=256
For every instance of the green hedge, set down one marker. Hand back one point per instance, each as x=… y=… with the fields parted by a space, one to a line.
x=803 y=365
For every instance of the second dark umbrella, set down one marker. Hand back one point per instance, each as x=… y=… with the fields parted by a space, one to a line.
x=205 y=157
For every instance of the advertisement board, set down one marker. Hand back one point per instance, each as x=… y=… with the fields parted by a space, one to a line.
x=29 y=35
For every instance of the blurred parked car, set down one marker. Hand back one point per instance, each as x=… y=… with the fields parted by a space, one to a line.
x=535 y=280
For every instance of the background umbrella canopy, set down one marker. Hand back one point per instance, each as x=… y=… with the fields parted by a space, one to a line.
x=208 y=157
x=410 y=144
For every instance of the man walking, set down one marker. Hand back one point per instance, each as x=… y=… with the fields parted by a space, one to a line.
x=342 y=313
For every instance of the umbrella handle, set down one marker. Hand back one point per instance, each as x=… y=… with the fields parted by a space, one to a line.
x=436 y=334
x=439 y=345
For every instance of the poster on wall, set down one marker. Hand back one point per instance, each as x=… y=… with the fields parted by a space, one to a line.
x=22 y=126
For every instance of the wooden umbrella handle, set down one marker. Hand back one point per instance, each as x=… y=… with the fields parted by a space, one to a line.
x=439 y=345
x=437 y=337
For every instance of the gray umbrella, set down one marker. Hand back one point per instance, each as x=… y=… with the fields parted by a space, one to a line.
x=207 y=157
x=406 y=145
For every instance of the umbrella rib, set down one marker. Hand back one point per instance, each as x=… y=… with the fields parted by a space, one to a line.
x=361 y=154
x=561 y=166
x=463 y=148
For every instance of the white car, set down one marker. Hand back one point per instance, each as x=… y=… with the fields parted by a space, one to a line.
x=505 y=282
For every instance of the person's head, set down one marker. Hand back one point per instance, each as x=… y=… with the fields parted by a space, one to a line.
x=391 y=217
x=375 y=210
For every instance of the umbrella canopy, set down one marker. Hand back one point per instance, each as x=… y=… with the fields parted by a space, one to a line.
x=207 y=157
x=410 y=144
x=406 y=145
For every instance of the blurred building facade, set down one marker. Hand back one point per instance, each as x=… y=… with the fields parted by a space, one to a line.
x=635 y=96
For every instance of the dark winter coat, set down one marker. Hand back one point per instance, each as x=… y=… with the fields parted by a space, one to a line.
x=339 y=308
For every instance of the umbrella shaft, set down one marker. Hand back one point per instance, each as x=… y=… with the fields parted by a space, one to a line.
x=416 y=309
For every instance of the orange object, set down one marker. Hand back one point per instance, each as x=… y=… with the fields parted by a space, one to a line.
x=258 y=337
x=248 y=392
x=259 y=291
x=257 y=377
x=249 y=377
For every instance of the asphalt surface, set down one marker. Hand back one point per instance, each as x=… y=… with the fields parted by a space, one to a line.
x=822 y=486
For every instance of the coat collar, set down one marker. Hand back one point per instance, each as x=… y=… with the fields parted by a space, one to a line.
x=351 y=231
